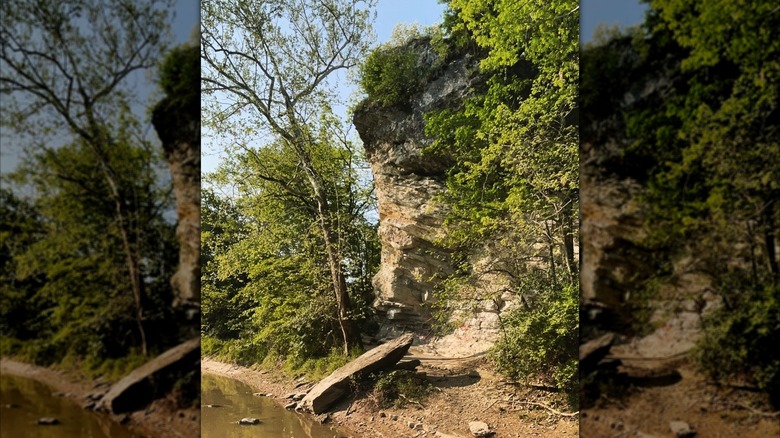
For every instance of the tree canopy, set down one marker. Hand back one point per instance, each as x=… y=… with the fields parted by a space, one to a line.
x=268 y=76
x=711 y=163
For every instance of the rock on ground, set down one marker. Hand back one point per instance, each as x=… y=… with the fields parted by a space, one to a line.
x=479 y=428
x=682 y=429
x=335 y=386
x=140 y=387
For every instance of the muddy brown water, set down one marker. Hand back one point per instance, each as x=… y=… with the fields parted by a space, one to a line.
x=24 y=401
x=232 y=400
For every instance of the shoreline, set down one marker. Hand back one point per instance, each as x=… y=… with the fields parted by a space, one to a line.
x=459 y=398
x=158 y=420
x=273 y=385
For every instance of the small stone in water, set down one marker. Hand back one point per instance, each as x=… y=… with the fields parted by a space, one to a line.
x=248 y=421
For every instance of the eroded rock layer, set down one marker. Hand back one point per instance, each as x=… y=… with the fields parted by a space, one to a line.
x=407 y=183
x=178 y=126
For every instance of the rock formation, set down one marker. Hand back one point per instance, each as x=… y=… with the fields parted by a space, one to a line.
x=178 y=125
x=407 y=183
x=338 y=384
x=152 y=379
x=615 y=262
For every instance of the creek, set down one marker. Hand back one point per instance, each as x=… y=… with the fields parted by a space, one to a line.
x=24 y=401
x=224 y=401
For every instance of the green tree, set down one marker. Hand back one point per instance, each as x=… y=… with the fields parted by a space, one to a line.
x=514 y=182
x=266 y=279
x=717 y=194
x=705 y=143
x=79 y=277
x=268 y=66
x=21 y=226
x=64 y=68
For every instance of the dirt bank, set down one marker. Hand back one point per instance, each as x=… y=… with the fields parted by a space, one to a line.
x=465 y=390
x=647 y=410
x=160 y=419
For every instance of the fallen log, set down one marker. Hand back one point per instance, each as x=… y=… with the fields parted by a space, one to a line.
x=152 y=379
x=332 y=388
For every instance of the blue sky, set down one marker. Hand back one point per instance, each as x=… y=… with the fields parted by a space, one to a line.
x=389 y=14
x=620 y=12
x=187 y=17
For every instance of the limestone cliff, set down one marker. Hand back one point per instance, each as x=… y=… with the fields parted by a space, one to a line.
x=407 y=183
x=178 y=126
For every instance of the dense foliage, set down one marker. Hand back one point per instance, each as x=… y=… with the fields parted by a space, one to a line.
x=395 y=71
x=514 y=182
x=709 y=149
x=289 y=254
x=68 y=297
x=512 y=191
x=266 y=282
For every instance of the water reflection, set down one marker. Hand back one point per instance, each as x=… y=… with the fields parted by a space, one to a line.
x=24 y=401
x=233 y=401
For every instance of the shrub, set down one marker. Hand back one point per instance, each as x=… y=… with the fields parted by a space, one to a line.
x=399 y=387
x=742 y=342
x=542 y=340
x=390 y=76
x=395 y=71
x=180 y=73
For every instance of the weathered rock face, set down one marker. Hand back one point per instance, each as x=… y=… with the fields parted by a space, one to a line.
x=612 y=226
x=407 y=183
x=178 y=126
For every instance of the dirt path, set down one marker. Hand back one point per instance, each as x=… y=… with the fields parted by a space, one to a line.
x=465 y=389
x=647 y=409
x=160 y=419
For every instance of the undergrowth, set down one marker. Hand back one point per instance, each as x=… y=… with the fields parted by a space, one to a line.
x=245 y=354
x=398 y=388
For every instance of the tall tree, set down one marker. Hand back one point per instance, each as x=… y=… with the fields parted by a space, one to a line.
x=74 y=261
x=65 y=68
x=268 y=68
x=266 y=277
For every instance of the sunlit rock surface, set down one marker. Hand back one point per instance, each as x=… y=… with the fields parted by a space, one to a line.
x=407 y=183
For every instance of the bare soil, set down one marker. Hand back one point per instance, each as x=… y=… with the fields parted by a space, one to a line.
x=646 y=407
x=160 y=419
x=465 y=389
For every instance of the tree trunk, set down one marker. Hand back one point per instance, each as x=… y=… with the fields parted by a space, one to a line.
x=132 y=268
x=132 y=260
x=769 y=238
x=568 y=239
x=349 y=330
x=551 y=251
